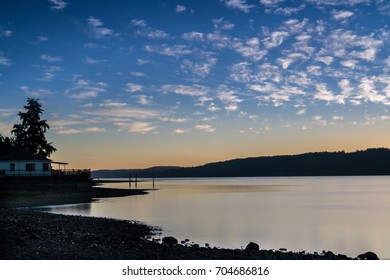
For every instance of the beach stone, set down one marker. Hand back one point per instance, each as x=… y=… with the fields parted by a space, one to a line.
x=252 y=247
x=330 y=255
x=169 y=240
x=368 y=256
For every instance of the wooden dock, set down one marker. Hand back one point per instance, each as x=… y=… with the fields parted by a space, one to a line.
x=131 y=181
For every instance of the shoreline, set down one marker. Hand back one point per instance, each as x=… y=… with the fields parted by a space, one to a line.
x=30 y=234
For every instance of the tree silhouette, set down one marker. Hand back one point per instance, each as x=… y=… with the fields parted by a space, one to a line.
x=30 y=134
x=6 y=145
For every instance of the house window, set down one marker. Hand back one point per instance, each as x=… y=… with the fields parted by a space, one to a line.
x=46 y=167
x=30 y=167
x=12 y=167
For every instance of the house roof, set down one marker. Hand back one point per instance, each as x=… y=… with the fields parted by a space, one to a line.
x=23 y=155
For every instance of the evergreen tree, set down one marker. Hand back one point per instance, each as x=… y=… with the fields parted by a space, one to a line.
x=6 y=145
x=30 y=134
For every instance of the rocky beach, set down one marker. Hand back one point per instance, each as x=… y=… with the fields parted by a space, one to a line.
x=29 y=234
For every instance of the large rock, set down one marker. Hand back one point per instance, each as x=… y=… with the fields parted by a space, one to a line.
x=252 y=247
x=368 y=256
x=169 y=240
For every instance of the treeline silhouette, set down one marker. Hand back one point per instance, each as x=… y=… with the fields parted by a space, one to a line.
x=375 y=161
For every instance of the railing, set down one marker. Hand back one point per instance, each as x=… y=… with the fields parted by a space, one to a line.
x=24 y=172
x=70 y=172
x=45 y=172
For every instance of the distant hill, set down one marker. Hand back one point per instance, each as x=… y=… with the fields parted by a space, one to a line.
x=374 y=161
x=124 y=173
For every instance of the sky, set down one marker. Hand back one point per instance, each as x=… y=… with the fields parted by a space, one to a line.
x=134 y=84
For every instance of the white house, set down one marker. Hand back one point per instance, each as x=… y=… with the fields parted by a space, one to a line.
x=22 y=163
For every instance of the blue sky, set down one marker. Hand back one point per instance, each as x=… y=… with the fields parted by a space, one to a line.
x=143 y=83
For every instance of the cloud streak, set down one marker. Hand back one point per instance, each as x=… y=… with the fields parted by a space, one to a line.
x=58 y=4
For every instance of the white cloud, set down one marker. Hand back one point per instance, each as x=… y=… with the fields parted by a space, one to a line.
x=69 y=131
x=288 y=11
x=157 y=34
x=368 y=92
x=91 y=61
x=58 y=4
x=99 y=31
x=368 y=54
x=193 y=90
x=219 y=40
x=291 y=58
x=222 y=24
x=203 y=100
x=42 y=39
x=180 y=9
x=301 y=112
x=35 y=93
x=346 y=88
x=338 y=2
x=175 y=50
x=4 y=33
x=326 y=95
x=110 y=103
x=341 y=15
x=5 y=61
x=350 y=63
x=337 y=118
x=325 y=59
x=84 y=89
x=50 y=59
x=124 y=112
x=95 y=129
x=201 y=69
x=94 y=22
x=248 y=50
x=213 y=108
x=181 y=131
x=144 y=100
x=231 y=107
x=152 y=33
x=87 y=105
x=270 y=93
x=137 y=74
x=130 y=87
x=320 y=120
x=239 y=4
x=139 y=22
x=348 y=45
x=275 y=39
x=314 y=70
x=295 y=26
x=240 y=72
x=7 y=112
x=136 y=127
x=174 y=120
x=141 y=61
x=142 y=29
x=85 y=94
x=230 y=98
x=271 y=2
x=205 y=127
x=193 y=36
x=285 y=62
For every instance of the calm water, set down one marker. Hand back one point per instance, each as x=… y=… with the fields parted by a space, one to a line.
x=349 y=215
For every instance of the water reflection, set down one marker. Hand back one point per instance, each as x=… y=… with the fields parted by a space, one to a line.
x=342 y=214
x=83 y=209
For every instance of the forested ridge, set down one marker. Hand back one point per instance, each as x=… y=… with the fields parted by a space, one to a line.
x=374 y=161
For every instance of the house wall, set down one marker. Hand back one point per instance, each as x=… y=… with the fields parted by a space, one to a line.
x=20 y=168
